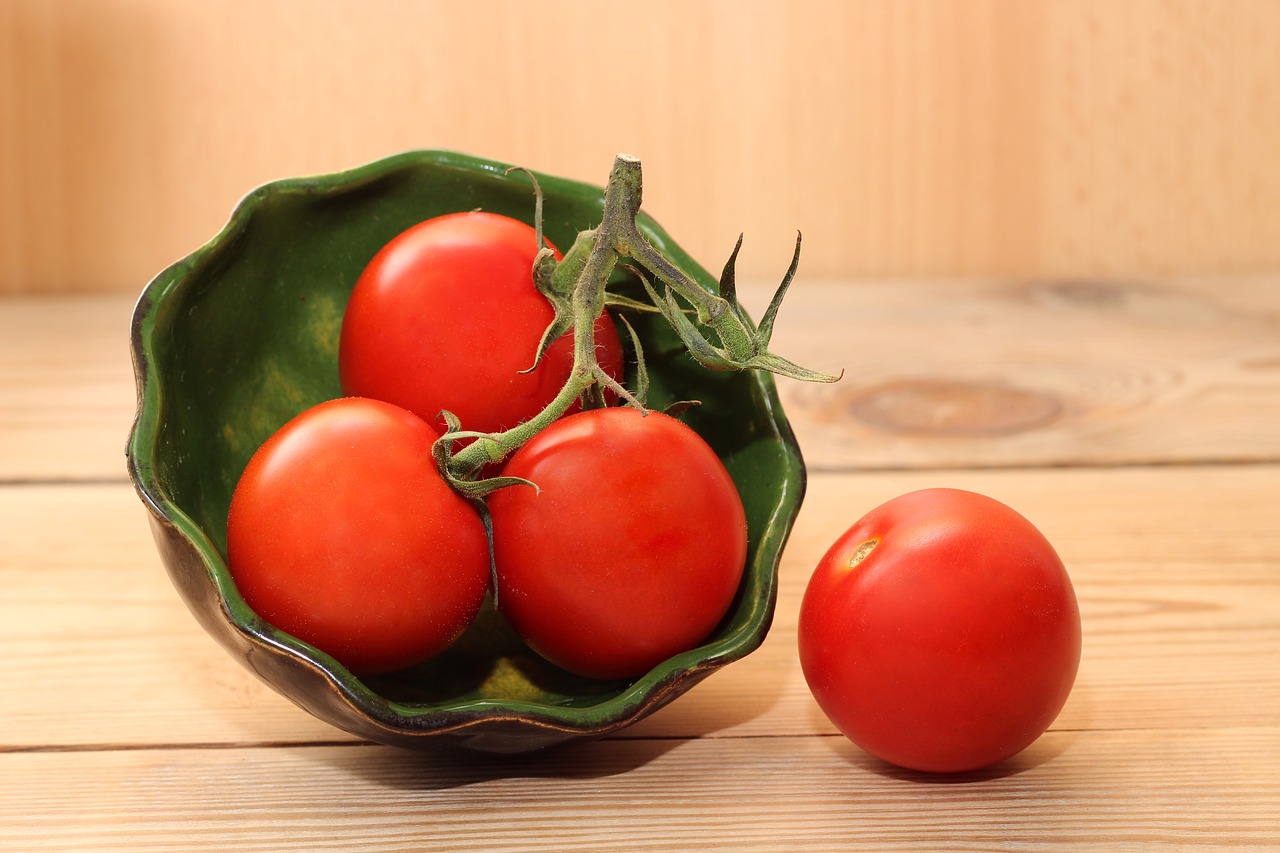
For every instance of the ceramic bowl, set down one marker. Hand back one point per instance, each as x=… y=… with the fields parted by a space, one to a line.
x=235 y=339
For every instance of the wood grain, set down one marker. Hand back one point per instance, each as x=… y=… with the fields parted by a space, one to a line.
x=1000 y=373
x=986 y=138
x=124 y=727
x=1174 y=610
x=1068 y=791
x=937 y=373
x=66 y=388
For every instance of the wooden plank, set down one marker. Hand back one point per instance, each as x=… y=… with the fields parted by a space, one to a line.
x=66 y=387
x=123 y=727
x=90 y=622
x=1099 y=790
x=947 y=374
x=1182 y=616
x=938 y=374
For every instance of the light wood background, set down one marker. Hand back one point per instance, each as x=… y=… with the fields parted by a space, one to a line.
x=1009 y=138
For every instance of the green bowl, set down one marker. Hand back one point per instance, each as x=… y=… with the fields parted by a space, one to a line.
x=235 y=339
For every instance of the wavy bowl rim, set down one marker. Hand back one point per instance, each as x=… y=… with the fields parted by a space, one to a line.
x=645 y=694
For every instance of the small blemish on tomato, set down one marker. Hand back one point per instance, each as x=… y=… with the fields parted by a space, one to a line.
x=862 y=551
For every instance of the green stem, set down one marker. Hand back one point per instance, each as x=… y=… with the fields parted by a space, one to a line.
x=711 y=309
x=621 y=202
x=576 y=286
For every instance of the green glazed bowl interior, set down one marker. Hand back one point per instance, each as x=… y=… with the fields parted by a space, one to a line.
x=237 y=338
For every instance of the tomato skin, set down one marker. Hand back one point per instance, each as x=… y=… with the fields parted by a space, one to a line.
x=632 y=548
x=446 y=315
x=953 y=644
x=342 y=532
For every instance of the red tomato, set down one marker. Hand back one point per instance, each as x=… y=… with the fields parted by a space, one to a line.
x=342 y=533
x=446 y=316
x=940 y=632
x=631 y=549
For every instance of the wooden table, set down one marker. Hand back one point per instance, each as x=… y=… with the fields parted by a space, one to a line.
x=1137 y=424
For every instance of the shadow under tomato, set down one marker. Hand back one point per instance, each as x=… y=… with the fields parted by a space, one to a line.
x=490 y=661
x=1044 y=750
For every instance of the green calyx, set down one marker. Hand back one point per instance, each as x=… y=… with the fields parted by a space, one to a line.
x=714 y=327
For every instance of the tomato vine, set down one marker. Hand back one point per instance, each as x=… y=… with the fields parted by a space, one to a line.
x=720 y=336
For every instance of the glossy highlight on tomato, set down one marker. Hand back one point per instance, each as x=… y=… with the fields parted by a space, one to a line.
x=342 y=533
x=629 y=551
x=941 y=632
x=446 y=316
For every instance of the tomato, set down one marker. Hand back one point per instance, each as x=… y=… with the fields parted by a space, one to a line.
x=940 y=632
x=446 y=316
x=342 y=532
x=630 y=550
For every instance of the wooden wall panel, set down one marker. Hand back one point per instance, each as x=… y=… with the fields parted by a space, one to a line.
x=1040 y=138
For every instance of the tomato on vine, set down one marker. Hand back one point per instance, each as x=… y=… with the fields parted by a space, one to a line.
x=630 y=549
x=342 y=533
x=349 y=528
x=446 y=316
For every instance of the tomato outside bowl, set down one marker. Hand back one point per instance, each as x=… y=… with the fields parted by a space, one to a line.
x=232 y=341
